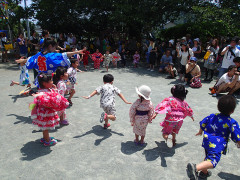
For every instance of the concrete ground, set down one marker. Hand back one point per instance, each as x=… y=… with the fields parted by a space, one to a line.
x=86 y=151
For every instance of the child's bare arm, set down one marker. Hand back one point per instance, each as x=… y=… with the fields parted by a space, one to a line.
x=123 y=98
x=199 y=132
x=91 y=95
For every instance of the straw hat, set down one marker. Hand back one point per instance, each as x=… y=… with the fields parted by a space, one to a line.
x=144 y=91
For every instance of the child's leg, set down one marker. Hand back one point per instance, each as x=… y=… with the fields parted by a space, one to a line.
x=71 y=94
x=204 y=166
x=107 y=68
x=165 y=136
x=142 y=139
x=174 y=139
x=111 y=117
x=137 y=138
x=46 y=136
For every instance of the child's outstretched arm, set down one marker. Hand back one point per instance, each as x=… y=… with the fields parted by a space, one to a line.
x=123 y=98
x=91 y=95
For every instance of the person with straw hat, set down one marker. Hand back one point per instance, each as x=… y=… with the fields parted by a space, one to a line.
x=141 y=113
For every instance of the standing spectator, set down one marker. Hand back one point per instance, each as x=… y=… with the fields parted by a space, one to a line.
x=22 y=43
x=3 y=41
x=33 y=42
x=61 y=40
x=210 y=63
x=166 y=60
x=196 y=48
x=189 y=41
x=229 y=52
x=45 y=35
x=184 y=54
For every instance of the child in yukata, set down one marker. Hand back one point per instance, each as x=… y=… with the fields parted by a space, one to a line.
x=107 y=59
x=107 y=100
x=217 y=129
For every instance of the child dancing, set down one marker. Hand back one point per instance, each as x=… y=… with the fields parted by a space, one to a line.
x=176 y=110
x=217 y=129
x=107 y=100
x=141 y=113
x=136 y=59
x=45 y=107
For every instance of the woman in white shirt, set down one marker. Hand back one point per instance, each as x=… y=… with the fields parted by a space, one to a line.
x=184 y=53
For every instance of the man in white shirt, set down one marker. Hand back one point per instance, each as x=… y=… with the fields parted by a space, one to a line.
x=229 y=82
x=229 y=52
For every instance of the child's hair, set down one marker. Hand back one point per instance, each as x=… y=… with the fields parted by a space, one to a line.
x=44 y=78
x=107 y=78
x=73 y=61
x=45 y=32
x=230 y=68
x=236 y=59
x=179 y=91
x=59 y=72
x=227 y=104
x=48 y=42
x=141 y=98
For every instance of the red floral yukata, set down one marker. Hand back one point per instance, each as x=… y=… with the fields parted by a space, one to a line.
x=176 y=110
x=97 y=59
x=85 y=57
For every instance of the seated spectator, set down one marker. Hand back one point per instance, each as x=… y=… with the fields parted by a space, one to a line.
x=236 y=61
x=192 y=71
x=172 y=71
x=165 y=61
x=229 y=82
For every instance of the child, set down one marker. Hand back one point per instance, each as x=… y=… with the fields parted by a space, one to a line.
x=72 y=75
x=97 y=59
x=24 y=77
x=217 y=129
x=107 y=101
x=59 y=79
x=116 y=58
x=45 y=106
x=177 y=110
x=141 y=113
x=107 y=59
x=136 y=59
x=123 y=57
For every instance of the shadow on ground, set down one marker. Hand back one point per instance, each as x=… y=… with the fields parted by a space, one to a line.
x=21 y=119
x=162 y=151
x=228 y=176
x=129 y=148
x=99 y=131
x=33 y=150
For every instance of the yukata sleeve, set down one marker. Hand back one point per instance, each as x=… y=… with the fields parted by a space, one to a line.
x=32 y=61
x=205 y=122
x=163 y=107
x=132 y=111
x=189 y=111
x=150 y=112
x=61 y=88
x=235 y=132
x=60 y=59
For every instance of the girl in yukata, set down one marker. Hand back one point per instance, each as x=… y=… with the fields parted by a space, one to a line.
x=141 y=113
x=136 y=59
x=45 y=107
x=176 y=110
x=72 y=76
x=59 y=79
x=47 y=60
x=116 y=58
x=218 y=129
x=24 y=76
x=97 y=58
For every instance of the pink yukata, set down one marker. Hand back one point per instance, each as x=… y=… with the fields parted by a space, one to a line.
x=136 y=58
x=97 y=59
x=44 y=114
x=176 y=110
x=62 y=88
x=116 y=58
x=140 y=115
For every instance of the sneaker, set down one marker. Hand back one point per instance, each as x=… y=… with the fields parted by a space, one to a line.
x=50 y=143
x=42 y=140
x=192 y=171
x=64 y=122
x=204 y=176
x=103 y=117
x=106 y=126
x=214 y=95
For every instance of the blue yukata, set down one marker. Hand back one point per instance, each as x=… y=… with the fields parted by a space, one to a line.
x=47 y=63
x=217 y=129
x=24 y=77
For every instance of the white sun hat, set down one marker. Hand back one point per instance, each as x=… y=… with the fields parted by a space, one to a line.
x=144 y=91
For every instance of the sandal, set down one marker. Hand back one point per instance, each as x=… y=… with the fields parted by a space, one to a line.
x=50 y=143
x=204 y=176
x=142 y=144
x=174 y=142
x=135 y=142
x=42 y=140
x=70 y=102
x=64 y=122
x=103 y=117
x=192 y=171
